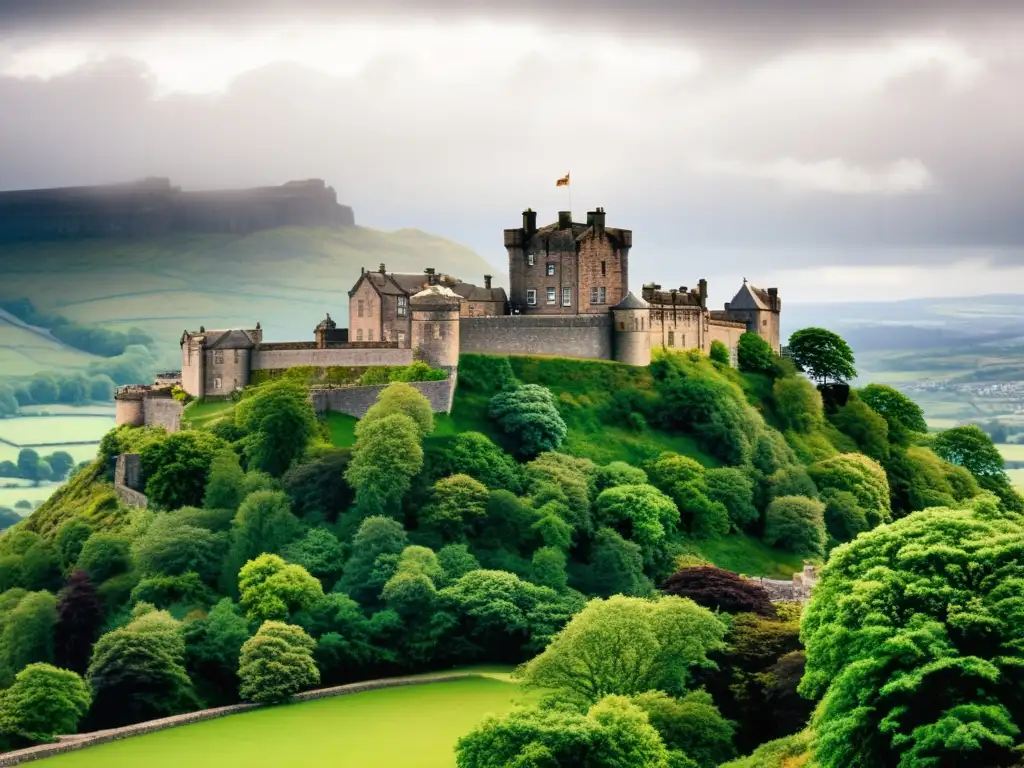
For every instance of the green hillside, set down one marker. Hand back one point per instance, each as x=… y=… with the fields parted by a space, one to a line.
x=286 y=279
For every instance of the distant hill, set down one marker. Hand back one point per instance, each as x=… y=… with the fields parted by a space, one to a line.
x=285 y=278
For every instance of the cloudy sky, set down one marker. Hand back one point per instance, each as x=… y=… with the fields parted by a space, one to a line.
x=837 y=149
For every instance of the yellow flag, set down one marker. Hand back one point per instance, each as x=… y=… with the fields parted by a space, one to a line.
x=563 y=182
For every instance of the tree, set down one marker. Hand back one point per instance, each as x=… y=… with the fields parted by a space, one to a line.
x=319 y=552
x=272 y=589
x=456 y=561
x=691 y=725
x=733 y=489
x=26 y=633
x=317 y=487
x=377 y=537
x=754 y=354
x=823 y=355
x=640 y=513
x=43 y=702
x=101 y=388
x=719 y=590
x=176 y=468
x=388 y=453
x=212 y=646
x=279 y=421
x=549 y=568
x=898 y=410
x=28 y=465
x=60 y=463
x=796 y=524
x=614 y=733
x=864 y=479
x=618 y=473
x=864 y=426
x=224 y=483
x=137 y=673
x=456 y=503
x=400 y=398
x=616 y=567
x=626 y=646
x=719 y=353
x=79 y=619
x=171 y=547
x=798 y=404
x=276 y=663
x=912 y=650
x=105 y=555
x=971 y=448
x=264 y=523
x=529 y=415
x=476 y=455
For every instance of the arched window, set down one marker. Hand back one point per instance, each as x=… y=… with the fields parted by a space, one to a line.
x=359 y=334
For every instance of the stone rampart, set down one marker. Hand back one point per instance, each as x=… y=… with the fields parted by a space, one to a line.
x=80 y=741
x=128 y=480
x=163 y=412
x=578 y=336
x=275 y=357
x=356 y=401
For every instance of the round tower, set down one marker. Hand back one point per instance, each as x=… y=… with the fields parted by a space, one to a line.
x=632 y=331
x=435 y=326
x=128 y=408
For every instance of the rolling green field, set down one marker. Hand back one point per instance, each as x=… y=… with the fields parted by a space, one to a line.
x=286 y=279
x=1012 y=452
x=409 y=727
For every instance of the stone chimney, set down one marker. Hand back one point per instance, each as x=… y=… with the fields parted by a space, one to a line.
x=565 y=219
x=595 y=219
x=530 y=222
x=773 y=299
x=487 y=282
x=431 y=276
x=382 y=269
x=704 y=293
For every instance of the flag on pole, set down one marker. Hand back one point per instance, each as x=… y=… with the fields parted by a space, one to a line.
x=563 y=182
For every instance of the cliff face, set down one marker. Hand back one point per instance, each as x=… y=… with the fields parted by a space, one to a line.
x=155 y=207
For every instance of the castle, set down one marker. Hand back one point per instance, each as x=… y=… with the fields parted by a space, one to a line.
x=569 y=296
x=155 y=207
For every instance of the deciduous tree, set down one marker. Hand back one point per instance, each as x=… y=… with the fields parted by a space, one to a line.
x=276 y=663
x=822 y=354
x=272 y=589
x=388 y=453
x=529 y=415
x=79 y=620
x=43 y=702
x=279 y=422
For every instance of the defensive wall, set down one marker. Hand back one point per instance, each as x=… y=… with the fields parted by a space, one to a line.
x=128 y=480
x=138 y=405
x=580 y=336
x=356 y=401
x=364 y=354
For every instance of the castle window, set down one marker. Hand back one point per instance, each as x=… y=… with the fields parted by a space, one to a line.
x=216 y=382
x=764 y=322
x=369 y=335
x=236 y=356
x=602 y=269
x=593 y=295
x=403 y=305
x=671 y=338
x=531 y=297
x=531 y=259
x=218 y=357
x=566 y=297
x=437 y=330
x=551 y=268
x=598 y=295
x=551 y=295
x=359 y=334
x=362 y=307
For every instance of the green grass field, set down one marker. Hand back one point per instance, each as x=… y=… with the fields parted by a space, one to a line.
x=202 y=414
x=1016 y=478
x=1012 y=452
x=749 y=556
x=286 y=279
x=11 y=496
x=409 y=727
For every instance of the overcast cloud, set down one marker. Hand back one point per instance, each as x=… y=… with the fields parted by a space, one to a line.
x=873 y=149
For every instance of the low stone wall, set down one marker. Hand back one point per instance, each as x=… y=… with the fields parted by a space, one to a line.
x=580 y=336
x=356 y=401
x=163 y=412
x=79 y=741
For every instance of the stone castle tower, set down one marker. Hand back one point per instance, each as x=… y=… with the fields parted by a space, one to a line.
x=435 y=326
x=632 y=333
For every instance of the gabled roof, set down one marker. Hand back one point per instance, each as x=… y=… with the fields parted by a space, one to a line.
x=228 y=340
x=750 y=297
x=392 y=284
x=632 y=302
x=435 y=297
x=579 y=231
x=471 y=292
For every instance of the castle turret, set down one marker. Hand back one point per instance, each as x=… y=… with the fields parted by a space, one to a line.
x=435 y=326
x=632 y=323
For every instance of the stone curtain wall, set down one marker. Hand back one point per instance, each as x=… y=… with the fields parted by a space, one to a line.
x=579 y=336
x=128 y=480
x=356 y=401
x=163 y=412
x=268 y=358
x=71 y=743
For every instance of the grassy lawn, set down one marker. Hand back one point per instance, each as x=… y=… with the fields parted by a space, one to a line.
x=1012 y=452
x=410 y=727
x=200 y=414
x=343 y=429
x=35 y=430
x=749 y=556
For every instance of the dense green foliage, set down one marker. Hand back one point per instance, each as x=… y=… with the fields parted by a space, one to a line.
x=823 y=355
x=276 y=663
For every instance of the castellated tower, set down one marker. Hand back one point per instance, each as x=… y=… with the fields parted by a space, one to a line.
x=435 y=326
x=632 y=318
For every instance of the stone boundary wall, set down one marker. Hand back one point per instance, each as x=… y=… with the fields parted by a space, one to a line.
x=356 y=401
x=79 y=741
x=354 y=357
x=578 y=336
x=163 y=412
x=127 y=480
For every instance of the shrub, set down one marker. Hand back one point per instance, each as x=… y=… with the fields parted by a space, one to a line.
x=719 y=590
x=44 y=701
x=797 y=403
x=719 y=353
x=754 y=354
x=529 y=415
x=276 y=663
x=797 y=524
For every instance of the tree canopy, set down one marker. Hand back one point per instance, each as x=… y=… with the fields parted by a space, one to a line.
x=822 y=354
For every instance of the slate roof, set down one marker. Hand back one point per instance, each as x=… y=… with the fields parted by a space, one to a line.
x=632 y=302
x=471 y=292
x=228 y=340
x=750 y=297
x=435 y=296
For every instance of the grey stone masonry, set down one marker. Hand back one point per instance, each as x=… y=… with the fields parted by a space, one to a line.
x=579 y=336
x=356 y=401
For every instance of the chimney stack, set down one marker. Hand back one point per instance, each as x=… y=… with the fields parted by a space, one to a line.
x=530 y=222
x=431 y=276
x=487 y=282
x=382 y=268
x=773 y=299
x=595 y=219
x=703 y=293
x=565 y=219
